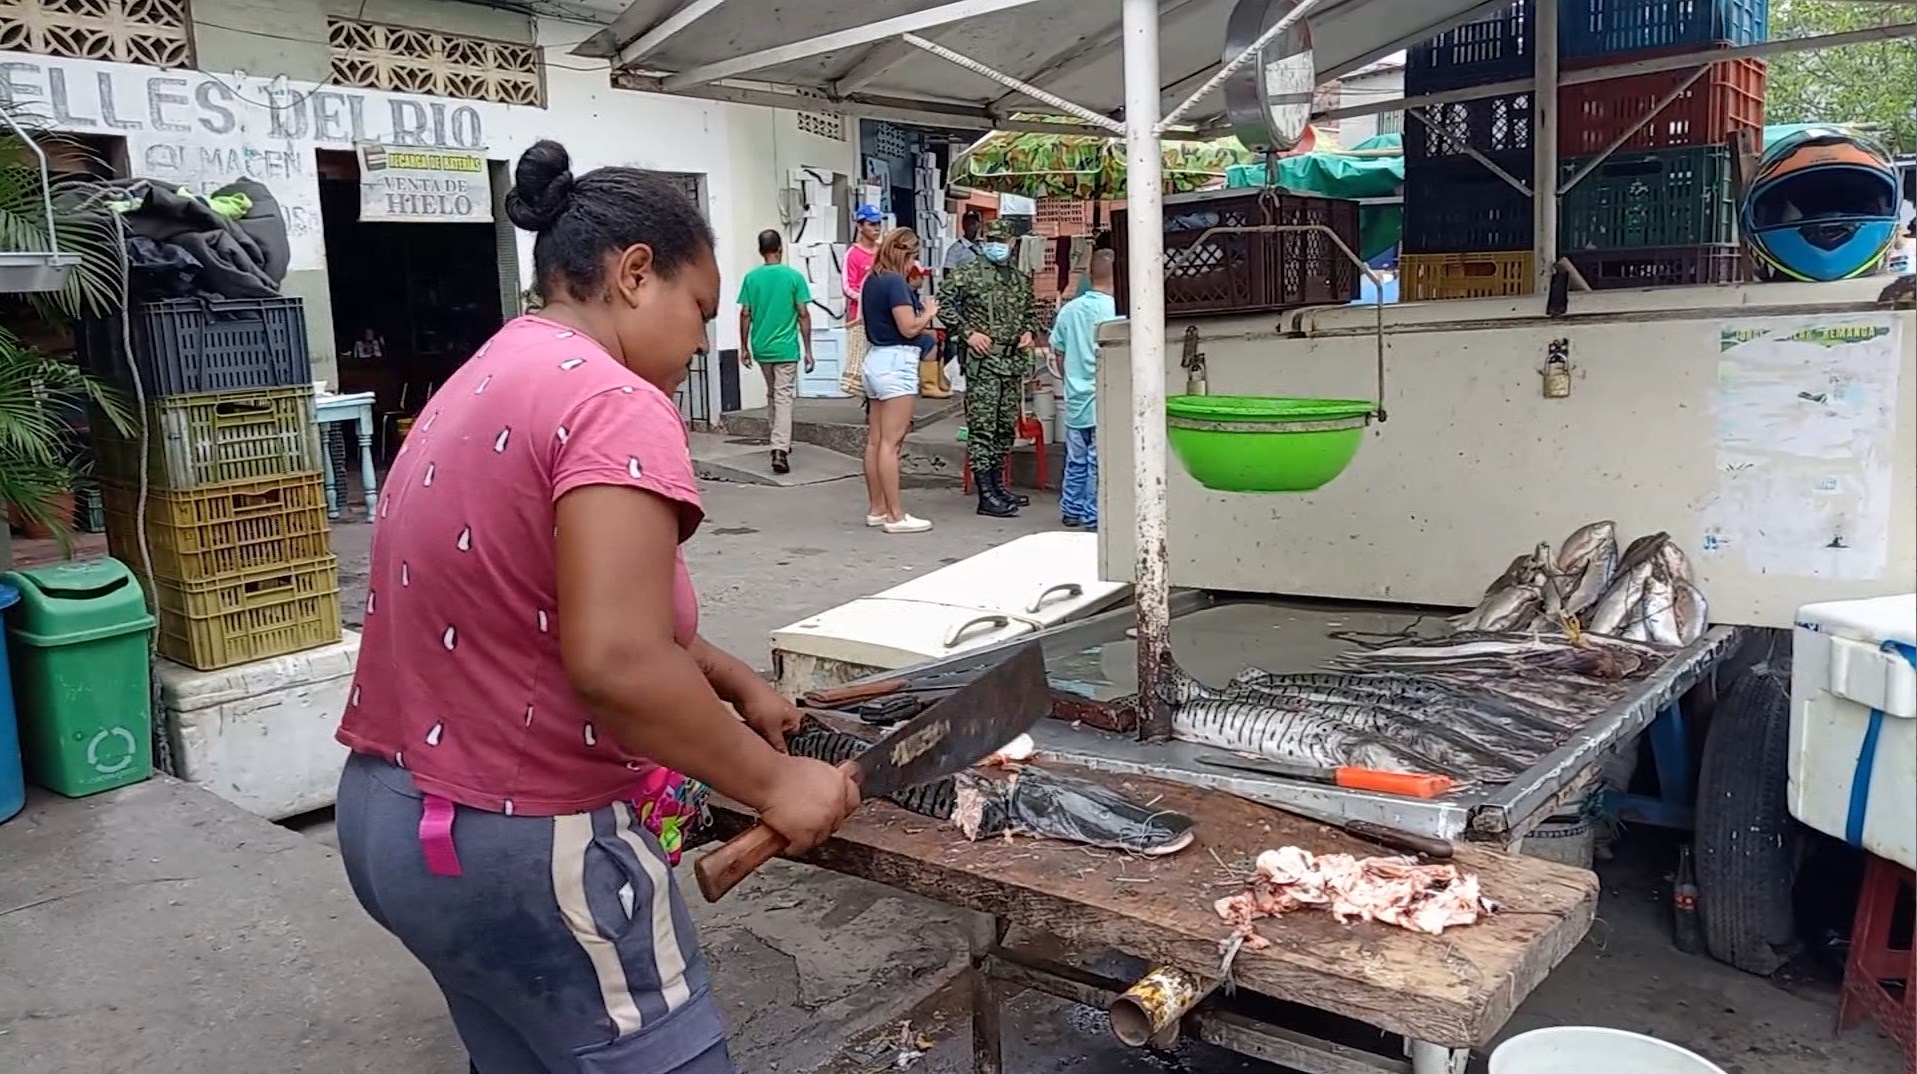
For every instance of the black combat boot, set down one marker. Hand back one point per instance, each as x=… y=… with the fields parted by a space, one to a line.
x=992 y=500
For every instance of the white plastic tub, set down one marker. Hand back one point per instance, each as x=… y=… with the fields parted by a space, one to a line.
x=1590 y=1050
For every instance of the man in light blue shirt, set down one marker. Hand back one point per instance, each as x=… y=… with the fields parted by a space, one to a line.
x=1075 y=340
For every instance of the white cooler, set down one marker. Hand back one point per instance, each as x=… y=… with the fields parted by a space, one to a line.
x=1022 y=586
x=1853 y=765
x=260 y=735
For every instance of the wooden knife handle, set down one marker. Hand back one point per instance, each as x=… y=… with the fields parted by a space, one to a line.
x=720 y=871
x=833 y=696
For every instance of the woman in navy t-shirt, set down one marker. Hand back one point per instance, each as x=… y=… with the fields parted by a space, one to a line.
x=898 y=328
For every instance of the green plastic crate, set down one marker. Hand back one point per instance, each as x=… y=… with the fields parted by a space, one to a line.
x=199 y=440
x=1663 y=197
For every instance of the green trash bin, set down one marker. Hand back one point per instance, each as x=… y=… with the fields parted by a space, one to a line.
x=79 y=644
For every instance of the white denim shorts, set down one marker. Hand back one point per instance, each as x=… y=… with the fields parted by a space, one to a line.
x=891 y=372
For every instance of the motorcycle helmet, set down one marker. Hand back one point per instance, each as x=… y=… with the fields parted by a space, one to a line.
x=1821 y=205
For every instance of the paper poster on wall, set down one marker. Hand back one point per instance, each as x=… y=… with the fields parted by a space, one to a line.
x=1806 y=422
x=433 y=186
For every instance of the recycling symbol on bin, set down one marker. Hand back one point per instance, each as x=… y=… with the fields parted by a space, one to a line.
x=111 y=750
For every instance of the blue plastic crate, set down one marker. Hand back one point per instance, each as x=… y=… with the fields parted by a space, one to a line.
x=1588 y=28
x=1495 y=48
x=196 y=346
x=1457 y=206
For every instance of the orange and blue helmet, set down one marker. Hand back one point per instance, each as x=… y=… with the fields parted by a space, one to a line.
x=1822 y=205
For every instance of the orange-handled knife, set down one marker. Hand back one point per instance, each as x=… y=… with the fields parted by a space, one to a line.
x=1407 y=784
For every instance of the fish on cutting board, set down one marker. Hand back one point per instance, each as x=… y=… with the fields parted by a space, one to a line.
x=1264 y=729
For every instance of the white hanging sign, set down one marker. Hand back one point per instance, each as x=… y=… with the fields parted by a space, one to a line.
x=434 y=186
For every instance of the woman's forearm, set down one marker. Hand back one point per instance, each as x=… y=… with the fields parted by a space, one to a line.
x=660 y=704
x=731 y=678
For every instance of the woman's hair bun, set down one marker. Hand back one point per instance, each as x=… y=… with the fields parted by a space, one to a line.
x=542 y=186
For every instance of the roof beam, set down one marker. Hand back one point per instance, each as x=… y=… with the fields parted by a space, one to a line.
x=1084 y=54
x=872 y=65
x=668 y=28
x=839 y=40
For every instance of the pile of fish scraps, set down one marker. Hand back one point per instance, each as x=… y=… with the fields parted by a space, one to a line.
x=1647 y=593
x=1426 y=898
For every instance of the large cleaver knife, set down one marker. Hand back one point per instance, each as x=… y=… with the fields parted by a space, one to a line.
x=957 y=731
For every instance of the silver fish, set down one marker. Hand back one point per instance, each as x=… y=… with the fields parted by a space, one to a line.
x=1608 y=615
x=1504 y=609
x=1658 y=611
x=1693 y=612
x=1290 y=735
x=1517 y=573
x=1424 y=739
x=1583 y=545
x=1598 y=570
x=1676 y=564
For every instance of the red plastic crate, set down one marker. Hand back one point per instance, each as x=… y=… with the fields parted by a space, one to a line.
x=1728 y=98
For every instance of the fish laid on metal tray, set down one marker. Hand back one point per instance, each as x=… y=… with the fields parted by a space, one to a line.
x=1647 y=593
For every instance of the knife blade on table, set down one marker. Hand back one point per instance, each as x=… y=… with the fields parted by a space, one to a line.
x=956 y=731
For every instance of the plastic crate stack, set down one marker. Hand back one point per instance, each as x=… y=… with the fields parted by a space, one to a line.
x=1657 y=211
x=235 y=509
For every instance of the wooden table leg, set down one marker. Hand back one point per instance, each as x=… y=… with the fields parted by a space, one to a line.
x=367 y=478
x=334 y=494
x=988 y=1057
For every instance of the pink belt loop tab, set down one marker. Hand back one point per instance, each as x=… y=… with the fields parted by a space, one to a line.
x=436 y=837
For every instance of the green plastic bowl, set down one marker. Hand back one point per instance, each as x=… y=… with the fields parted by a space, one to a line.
x=1244 y=443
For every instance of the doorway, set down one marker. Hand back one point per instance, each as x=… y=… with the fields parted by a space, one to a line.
x=411 y=301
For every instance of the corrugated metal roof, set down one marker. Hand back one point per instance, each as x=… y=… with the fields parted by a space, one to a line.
x=1067 y=48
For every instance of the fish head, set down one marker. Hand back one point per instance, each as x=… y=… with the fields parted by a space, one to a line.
x=1584 y=542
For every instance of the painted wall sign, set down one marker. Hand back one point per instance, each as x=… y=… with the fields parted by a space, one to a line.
x=434 y=186
x=205 y=130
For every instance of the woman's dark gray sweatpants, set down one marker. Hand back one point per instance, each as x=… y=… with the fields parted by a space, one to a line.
x=563 y=948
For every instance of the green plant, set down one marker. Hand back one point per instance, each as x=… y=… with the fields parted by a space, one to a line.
x=40 y=392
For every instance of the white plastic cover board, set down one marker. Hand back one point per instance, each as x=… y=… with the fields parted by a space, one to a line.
x=882 y=632
x=1050 y=577
x=1853 y=758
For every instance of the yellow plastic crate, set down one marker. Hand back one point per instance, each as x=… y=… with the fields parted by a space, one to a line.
x=199 y=440
x=1429 y=277
x=268 y=612
x=220 y=531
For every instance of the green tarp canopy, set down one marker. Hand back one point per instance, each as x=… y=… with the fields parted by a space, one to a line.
x=1374 y=168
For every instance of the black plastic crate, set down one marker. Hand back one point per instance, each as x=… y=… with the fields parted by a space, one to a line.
x=1495 y=48
x=1666 y=266
x=193 y=346
x=1490 y=125
x=1249 y=272
x=1458 y=206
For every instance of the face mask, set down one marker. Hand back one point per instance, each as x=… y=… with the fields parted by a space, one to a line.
x=997 y=252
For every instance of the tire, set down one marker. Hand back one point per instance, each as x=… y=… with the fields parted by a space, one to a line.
x=1745 y=844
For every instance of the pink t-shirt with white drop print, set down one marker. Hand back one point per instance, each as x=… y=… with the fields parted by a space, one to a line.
x=459 y=678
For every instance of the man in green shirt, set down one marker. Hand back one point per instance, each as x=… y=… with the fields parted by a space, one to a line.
x=775 y=329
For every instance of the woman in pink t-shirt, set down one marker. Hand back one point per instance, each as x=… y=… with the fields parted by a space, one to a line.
x=866 y=221
x=534 y=713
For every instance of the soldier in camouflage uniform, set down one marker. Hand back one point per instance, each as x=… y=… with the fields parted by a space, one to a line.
x=988 y=305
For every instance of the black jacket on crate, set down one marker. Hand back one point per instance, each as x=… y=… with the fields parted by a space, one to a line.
x=179 y=245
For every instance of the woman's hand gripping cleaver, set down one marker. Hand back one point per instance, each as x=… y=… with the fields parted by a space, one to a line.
x=956 y=732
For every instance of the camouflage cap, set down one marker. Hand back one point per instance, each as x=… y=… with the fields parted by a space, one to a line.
x=999 y=230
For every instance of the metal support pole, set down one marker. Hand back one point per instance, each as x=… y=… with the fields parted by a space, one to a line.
x=1544 y=144
x=1004 y=79
x=1145 y=221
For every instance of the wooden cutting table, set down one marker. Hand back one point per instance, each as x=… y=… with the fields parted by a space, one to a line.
x=1443 y=994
